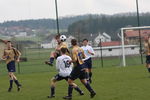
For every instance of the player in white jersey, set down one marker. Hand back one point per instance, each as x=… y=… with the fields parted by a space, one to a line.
x=64 y=68
x=89 y=52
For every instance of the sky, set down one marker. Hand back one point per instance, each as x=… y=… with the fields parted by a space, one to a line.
x=37 y=9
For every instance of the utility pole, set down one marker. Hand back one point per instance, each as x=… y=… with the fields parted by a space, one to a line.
x=57 y=20
x=138 y=23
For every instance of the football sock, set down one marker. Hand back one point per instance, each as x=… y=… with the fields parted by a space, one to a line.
x=87 y=85
x=149 y=70
x=78 y=89
x=87 y=75
x=52 y=91
x=51 y=60
x=90 y=74
x=70 y=89
x=17 y=83
x=11 y=83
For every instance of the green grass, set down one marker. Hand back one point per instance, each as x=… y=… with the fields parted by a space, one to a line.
x=113 y=83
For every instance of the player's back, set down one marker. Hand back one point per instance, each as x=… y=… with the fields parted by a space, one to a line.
x=63 y=65
x=78 y=55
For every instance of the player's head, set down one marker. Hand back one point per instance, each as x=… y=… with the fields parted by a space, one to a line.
x=9 y=44
x=73 y=42
x=57 y=37
x=85 y=42
x=63 y=50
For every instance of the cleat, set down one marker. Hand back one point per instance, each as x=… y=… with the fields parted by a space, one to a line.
x=48 y=63
x=9 y=89
x=67 y=97
x=82 y=93
x=93 y=94
x=18 y=88
x=52 y=96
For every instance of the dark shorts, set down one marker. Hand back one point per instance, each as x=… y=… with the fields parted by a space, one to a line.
x=59 y=78
x=11 y=66
x=57 y=55
x=88 y=63
x=148 y=59
x=78 y=72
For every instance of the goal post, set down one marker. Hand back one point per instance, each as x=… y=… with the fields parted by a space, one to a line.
x=123 y=39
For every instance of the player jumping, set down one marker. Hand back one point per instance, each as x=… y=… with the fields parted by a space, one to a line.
x=11 y=55
x=61 y=44
x=64 y=68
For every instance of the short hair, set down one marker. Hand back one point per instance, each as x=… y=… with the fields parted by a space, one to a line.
x=57 y=36
x=74 y=42
x=63 y=50
x=85 y=40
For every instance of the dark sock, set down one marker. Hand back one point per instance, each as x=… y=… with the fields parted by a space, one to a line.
x=51 y=60
x=87 y=75
x=90 y=74
x=17 y=83
x=78 y=89
x=87 y=85
x=70 y=89
x=148 y=70
x=11 y=83
x=52 y=91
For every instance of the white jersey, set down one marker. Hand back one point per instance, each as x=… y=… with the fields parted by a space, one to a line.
x=63 y=66
x=86 y=49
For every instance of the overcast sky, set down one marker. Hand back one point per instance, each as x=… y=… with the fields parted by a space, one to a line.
x=35 y=9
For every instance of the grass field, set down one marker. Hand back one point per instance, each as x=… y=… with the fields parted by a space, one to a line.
x=113 y=83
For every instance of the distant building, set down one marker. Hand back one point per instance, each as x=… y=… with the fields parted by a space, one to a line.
x=52 y=43
x=69 y=38
x=104 y=38
x=132 y=36
x=21 y=34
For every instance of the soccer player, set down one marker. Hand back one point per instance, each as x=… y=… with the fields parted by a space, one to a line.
x=78 y=70
x=11 y=55
x=147 y=52
x=64 y=69
x=56 y=53
x=89 y=52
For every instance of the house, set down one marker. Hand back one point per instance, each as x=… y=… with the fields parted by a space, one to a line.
x=112 y=43
x=94 y=39
x=104 y=37
x=69 y=38
x=51 y=44
x=21 y=34
x=132 y=36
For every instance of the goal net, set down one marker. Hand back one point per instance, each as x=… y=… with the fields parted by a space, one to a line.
x=132 y=40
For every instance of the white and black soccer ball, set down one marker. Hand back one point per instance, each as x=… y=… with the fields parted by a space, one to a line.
x=63 y=38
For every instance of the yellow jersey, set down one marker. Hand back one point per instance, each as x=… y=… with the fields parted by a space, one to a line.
x=77 y=55
x=62 y=45
x=11 y=54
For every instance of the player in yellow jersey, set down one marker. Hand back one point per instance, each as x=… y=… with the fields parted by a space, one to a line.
x=78 y=71
x=11 y=55
x=61 y=44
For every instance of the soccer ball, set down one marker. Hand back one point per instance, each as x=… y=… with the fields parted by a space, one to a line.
x=63 y=38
